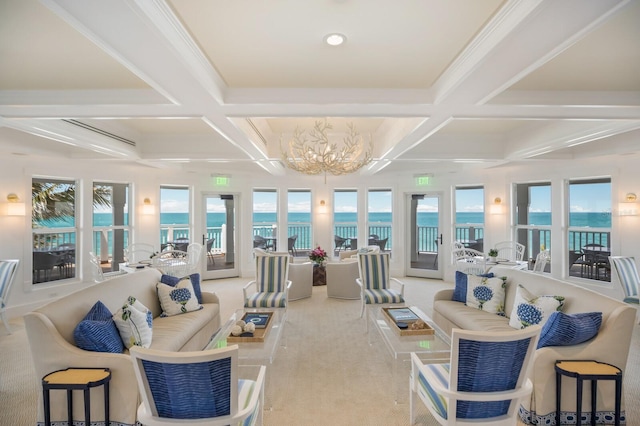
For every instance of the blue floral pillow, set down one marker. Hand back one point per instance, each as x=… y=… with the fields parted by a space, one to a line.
x=178 y=299
x=460 y=290
x=486 y=293
x=97 y=332
x=529 y=309
x=195 y=282
x=569 y=329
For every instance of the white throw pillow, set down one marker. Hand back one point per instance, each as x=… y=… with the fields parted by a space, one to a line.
x=529 y=309
x=179 y=299
x=486 y=293
x=134 y=322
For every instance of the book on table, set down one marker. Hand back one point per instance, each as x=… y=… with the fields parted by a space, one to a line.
x=260 y=319
x=402 y=315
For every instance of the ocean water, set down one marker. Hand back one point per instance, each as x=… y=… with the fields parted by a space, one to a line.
x=215 y=220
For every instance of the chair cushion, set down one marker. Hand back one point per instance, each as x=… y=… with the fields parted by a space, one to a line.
x=178 y=299
x=486 y=294
x=529 y=309
x=195 y=282
x=460 y=290
x=271 y=273
x=382 y=296
x=569 y=329
x=97 y=332
x=374 y=270
x=266 y=300
x=435 y=373
x=134 y=322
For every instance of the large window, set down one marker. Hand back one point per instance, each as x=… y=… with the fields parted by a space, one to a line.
x=174 y=217
x=589 y=231
x=265 y=219
x=533 y=217
x=299 y=222
x=110 y=222
x=54 y=229
x=345 y=219
x=379 y=217
x=469 y=216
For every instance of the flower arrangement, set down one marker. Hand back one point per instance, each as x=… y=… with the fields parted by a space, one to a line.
x=318 y=255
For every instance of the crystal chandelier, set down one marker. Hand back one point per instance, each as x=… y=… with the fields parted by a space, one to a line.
x=316 y=154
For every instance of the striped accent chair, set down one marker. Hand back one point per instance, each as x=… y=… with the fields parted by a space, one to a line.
x=625 y=269
x=487 y=376
x=7 y=274
x=196 y=388
x=271 y=284
x=375 y=282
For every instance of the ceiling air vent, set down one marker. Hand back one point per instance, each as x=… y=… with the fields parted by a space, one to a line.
x=100 y=131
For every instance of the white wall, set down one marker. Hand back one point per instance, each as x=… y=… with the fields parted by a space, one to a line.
x=16 y=173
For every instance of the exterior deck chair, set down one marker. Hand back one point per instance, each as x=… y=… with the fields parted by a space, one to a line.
x=375 y=282
x=483 y=383
x=341 y=243
x=210 y=258
x=196 y=388
x=541 y=261
x=469 y=261
x=7 y=275
x=510 y=250
x=271 y=284
x=625 y=270
x=291 y=242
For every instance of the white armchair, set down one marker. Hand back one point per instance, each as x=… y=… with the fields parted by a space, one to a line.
x=341 y=279
x=301 y=277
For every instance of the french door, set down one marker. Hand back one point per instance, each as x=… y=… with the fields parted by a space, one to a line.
x=219 y=236
x=424 y=236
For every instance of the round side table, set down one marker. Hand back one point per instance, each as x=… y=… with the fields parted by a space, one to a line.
x=76 y=379
x=587 y=370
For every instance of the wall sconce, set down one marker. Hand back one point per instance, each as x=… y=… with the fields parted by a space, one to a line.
x=629 y=207
x=147 y=207
x=496 y=207
x=323 y=207
x=13 y=206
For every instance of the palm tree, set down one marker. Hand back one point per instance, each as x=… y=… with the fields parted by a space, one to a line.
x=56 y=200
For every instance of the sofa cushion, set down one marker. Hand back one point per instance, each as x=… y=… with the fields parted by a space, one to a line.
x=569 y=329
x=195 y=282
x=176 y=332
x=134 y=322
x=460 y=290
x=486 y=294
x=467 y=318
x=529 y=309
x=97 y=332
x=178 y=299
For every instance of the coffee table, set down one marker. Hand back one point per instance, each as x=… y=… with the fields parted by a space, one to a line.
x=255 y=353
x=430 y=348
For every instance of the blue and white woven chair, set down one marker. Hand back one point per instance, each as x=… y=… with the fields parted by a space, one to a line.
x=7 y=274
x=625 y=270
x=375 y=282
x=272 y=282
x=196 y=388
x=484 y=382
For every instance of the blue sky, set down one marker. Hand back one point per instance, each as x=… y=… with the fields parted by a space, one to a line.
x=583 y=198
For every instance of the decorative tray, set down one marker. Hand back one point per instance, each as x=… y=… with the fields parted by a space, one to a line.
x=259 y=334
x=390 y=313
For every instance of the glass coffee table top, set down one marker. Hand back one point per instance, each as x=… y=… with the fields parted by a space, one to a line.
x=252 y=353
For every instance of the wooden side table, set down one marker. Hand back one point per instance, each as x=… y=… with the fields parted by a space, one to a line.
x=76 y=379
x=587 y=370
x=319 y=275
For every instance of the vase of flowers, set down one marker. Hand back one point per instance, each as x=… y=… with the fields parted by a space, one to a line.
x=318 y=256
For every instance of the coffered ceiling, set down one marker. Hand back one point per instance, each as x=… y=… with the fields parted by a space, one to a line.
x=440 y=85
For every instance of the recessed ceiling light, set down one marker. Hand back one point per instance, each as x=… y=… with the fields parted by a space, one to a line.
x=335 y=39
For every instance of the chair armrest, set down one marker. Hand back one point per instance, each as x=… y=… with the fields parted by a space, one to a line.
x=256 y=393
x=246 y=286
x=400 y=283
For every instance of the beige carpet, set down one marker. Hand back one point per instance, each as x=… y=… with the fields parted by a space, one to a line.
x=327 y=374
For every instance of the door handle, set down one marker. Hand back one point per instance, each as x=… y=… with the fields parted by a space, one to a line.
x=440 y=239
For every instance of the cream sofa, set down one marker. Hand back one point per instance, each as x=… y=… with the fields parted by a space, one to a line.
x=301 y=277
x=611 y=345
x=341 y=276
x=50 y=333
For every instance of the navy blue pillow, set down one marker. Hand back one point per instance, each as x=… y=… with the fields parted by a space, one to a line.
x=195 y=282
x=460 y=290
x=97 y=332
x=569 y=329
